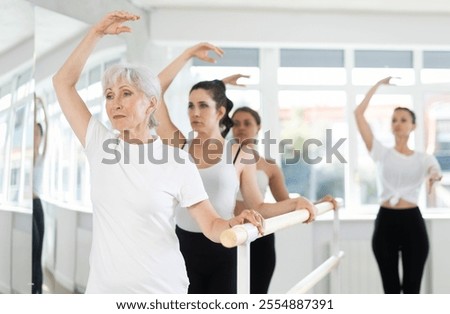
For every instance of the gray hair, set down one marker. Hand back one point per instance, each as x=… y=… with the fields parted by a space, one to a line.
x=140 y=77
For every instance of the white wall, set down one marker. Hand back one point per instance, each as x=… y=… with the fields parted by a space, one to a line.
x=5 y=251
x=300 y=249
x=297 y=28
x=15 y=251
x=19 y=57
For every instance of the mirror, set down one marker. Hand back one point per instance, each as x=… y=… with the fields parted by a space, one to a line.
x=16 y=145
x=61 y=172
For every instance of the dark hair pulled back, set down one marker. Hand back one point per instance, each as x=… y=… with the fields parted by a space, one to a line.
x=413 y=115
x=217 y=91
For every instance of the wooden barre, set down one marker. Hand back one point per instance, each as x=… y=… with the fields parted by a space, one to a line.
x=316 y=275
x=247 y=232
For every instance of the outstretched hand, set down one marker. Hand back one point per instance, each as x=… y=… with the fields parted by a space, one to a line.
x=385 y=81
x=201 y=50
x=232 y=79
x=111 y=24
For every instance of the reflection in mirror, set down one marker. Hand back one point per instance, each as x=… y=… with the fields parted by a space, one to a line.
x=61 y=172
x=16 y=145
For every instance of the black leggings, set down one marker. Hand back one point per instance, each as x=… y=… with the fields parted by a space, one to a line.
x=211 y=267
x=38 y=239
x=400 y=231
x=262 y=263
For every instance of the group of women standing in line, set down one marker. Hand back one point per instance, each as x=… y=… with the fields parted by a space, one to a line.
x=226 y=171
x=136 y=205
x=155 y=227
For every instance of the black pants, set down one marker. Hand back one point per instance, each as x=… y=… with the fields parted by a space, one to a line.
x=211 y=267
x=400 y=231
x=262 y=263
x=38 y=239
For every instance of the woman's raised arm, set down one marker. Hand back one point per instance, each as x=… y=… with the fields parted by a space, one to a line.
x=167 y=129
x=363 y=125
x=65 y=80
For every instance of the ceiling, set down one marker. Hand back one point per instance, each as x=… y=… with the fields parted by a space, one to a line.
x=17 y=24
x=20 y=22
x=47 y=35
x=393 y=6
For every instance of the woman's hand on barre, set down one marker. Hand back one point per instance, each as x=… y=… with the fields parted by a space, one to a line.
x=304 y=203
x=328 y=198
x=251 y=216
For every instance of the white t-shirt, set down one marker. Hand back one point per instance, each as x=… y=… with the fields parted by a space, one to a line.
x=134 y=245
x=399 y=175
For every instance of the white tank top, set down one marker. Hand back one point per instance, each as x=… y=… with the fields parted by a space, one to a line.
x=221 y=184
x=263 y=182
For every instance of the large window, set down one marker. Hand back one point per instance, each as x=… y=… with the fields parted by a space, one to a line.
x=312 y=103
x=311 y=67
x=318 y=90
x=436 y=67
x=437 y=121
x=312 y=122
x=16 y=140
x=306 y=98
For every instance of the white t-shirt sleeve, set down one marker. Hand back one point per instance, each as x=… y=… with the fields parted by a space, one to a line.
x=100 y=143
x=95 y=133
x=432 y=165
x=378 y=150
x=191 y=189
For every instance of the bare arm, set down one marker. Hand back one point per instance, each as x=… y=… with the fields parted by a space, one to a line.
x=432 y=179
x=363 y=125
x=167 y=129
x=276 y=183
x=434 y=175
x=65 y=80
x=212 y=225
x=39 y=104
x=199 y=51
x=253 y=198
x=44 y=150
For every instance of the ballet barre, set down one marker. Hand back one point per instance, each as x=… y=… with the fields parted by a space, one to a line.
x=241 y=236
x=316 y=275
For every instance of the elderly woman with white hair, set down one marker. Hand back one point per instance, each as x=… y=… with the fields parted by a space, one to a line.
x=134 y=246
